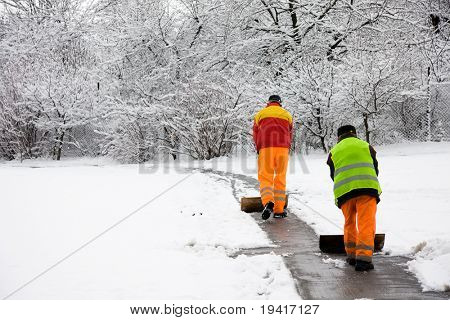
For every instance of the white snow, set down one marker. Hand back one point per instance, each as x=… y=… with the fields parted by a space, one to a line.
x=338 y=263
x=432 y=264
x=181 y=245
x=414 y=209
x=176 y=247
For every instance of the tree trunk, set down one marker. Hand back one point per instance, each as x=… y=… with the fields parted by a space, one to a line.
x=366 y=127
x=294 y=20
x=172 y=144
x=428 y=105
x=60 y=146
x=320 y=127
x=322 y=141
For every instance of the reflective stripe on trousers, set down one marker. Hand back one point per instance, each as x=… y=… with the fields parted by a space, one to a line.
x=266 y=189
x=280 y=195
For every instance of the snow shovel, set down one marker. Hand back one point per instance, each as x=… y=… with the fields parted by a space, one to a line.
x=254 y=204
x=335 y=243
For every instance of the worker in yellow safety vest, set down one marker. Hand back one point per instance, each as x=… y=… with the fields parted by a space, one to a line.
x=354 y=170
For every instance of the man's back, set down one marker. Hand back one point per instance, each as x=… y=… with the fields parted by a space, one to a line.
x=272 y=131
x=272 y=127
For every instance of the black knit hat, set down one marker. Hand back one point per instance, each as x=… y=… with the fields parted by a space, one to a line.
x=346 y=129
x=275 y=98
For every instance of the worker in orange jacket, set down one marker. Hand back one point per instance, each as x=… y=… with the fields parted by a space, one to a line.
x=272 y=134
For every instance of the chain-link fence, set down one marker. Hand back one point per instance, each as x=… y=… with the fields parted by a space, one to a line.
x=420 y=117
x=81 y=141
x=440 y=108
x=417 y=116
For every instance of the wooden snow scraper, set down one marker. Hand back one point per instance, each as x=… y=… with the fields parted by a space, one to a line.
x=335 y=243
x=254 y=204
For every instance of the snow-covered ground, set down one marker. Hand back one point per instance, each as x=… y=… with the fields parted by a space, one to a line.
x=179 y=245
x=415 y=205
x=176 y=247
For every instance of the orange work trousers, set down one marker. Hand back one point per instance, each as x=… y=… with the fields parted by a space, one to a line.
x=272 y=167
x=359 y=228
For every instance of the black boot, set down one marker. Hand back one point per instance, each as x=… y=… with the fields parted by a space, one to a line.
x=280 y=215
x=268 y=210
x=363 y=265
x=351 y=261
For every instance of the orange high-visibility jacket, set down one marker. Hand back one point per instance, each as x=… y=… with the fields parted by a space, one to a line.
x=272 y=127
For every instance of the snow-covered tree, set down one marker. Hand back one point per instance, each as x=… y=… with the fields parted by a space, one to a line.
x=47 y=81
x=135 y=79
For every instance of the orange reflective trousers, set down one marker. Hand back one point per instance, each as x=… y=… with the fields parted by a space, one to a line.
x=359 y=228
x=272 y=167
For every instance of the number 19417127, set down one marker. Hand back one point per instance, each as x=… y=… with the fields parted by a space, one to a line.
x=290 y=309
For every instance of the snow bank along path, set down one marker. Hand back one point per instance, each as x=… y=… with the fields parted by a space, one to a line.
x=177 y=247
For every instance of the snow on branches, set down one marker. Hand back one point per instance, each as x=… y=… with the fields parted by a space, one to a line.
x=136 y=79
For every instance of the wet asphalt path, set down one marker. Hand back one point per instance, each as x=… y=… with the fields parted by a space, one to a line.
x=315 y=279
